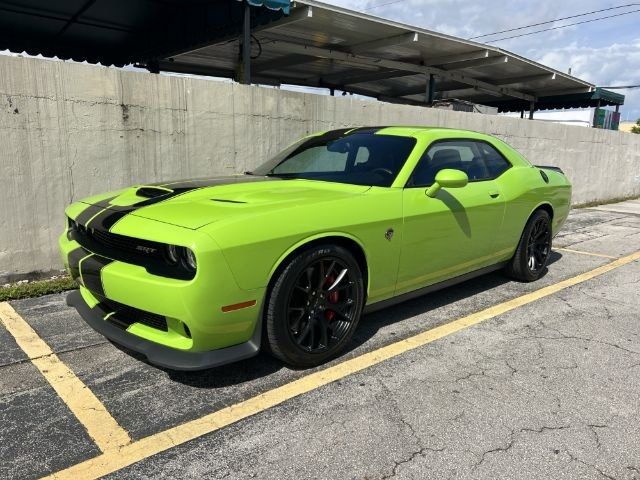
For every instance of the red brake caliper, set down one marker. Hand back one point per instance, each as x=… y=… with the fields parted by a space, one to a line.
x=331 y=298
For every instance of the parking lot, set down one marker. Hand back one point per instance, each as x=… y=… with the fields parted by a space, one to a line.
x=488 y=379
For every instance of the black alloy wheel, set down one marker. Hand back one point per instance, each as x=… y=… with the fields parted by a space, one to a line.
x=321 y=305
x=314 y=306
x=532 y=254
x=539 y=245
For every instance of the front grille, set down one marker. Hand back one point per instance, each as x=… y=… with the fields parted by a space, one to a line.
x=136 y=251
x=124 y=315
x=125 y=244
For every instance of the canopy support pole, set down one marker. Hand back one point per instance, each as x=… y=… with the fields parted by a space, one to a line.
x=431 y=88
x=595 y=115
x=246 y=45
x=532 y=108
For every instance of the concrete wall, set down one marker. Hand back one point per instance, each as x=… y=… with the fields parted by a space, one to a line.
x=69 y=130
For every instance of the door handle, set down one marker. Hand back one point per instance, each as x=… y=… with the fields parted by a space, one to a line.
x=494 y=194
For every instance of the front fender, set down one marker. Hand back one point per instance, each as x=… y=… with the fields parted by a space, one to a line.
x=319 y=236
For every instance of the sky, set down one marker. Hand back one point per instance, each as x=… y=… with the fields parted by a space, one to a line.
x=605 y=52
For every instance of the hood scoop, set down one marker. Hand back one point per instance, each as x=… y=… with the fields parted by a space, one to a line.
x=152 y=191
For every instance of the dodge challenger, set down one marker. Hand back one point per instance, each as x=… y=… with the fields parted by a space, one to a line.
x=286 y=258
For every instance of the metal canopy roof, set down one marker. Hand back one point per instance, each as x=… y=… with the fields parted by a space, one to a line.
x=323 y=45
x=596 y=98
x=283 y=5
x=316 y=45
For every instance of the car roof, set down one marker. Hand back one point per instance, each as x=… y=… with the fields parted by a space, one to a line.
x=411 y=130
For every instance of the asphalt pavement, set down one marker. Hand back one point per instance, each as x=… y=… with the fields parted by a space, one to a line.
x=548 y=388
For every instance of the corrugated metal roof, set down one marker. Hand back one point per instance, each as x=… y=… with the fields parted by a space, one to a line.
x=323 y=45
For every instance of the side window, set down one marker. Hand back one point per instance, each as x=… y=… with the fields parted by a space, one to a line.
x=495 y=162
x=479 y=160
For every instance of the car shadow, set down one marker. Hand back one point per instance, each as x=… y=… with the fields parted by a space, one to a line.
x=264 y=365
x=458 y=210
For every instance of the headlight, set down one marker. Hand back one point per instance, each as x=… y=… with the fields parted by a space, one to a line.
x=190 y=258
x=172 y=254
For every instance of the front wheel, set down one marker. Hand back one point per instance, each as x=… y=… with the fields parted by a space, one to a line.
x=314 y=306
x=530 y=260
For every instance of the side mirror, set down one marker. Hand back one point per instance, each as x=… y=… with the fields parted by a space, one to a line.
x=447 y=178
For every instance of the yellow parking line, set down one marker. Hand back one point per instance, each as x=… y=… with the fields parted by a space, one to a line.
x=113 y=461
x=100 y=425
x=585 y=253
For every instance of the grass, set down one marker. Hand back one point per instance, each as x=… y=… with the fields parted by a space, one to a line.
x=37 y=288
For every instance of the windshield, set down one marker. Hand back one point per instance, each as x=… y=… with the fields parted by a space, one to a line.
x=358 y=159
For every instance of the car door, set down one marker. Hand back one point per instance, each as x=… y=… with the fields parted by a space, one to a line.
x=454 y=232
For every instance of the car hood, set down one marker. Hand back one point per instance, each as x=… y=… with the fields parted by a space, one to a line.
x=195 y=203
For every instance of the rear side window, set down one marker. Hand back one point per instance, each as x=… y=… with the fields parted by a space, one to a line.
x=479 y=160
x=494 y=161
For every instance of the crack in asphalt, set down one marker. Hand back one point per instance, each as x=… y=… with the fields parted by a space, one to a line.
x=57 y=353
x=592 y=427
x=511 y=441
x=574 y=458
x=586 y=339
x=563 y=336
x=636 y=470
x=421 y=450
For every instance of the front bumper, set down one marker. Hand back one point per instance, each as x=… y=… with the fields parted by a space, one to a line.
x=159 y=354
x=176 y=323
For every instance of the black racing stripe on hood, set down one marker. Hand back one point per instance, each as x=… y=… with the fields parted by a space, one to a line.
x=214 y=181
x=366 y=130
x=91 y=270
x=334 y=135
x=321 y=140
x=111 y=214
x=92 y=210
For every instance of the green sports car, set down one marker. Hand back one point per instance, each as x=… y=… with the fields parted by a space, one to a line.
x=199 y=273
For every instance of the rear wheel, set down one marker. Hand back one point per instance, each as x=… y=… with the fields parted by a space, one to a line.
x=530 y=260
x=314 y=306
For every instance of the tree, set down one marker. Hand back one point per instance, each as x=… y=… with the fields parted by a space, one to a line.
x=636 y=127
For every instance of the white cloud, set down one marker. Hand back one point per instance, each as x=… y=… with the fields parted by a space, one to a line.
x=616 y=64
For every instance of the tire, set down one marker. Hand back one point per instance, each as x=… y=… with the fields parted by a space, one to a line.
x=530 y=260
x=314 y=307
